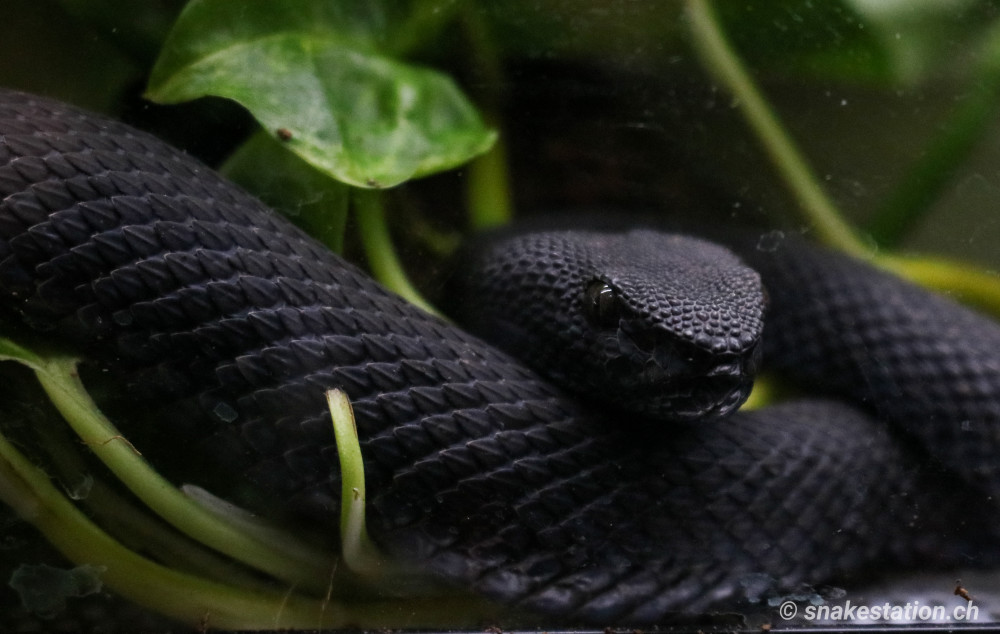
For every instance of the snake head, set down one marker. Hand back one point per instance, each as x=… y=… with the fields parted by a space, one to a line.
x=675 y=352
x=661 y=326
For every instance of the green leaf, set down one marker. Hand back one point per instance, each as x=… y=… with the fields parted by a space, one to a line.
x=310 y=198
x=316 y=72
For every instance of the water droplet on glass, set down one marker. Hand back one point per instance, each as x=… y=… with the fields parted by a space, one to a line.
x=770 y=241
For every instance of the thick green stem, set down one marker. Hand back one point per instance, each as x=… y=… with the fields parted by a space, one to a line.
x=28 y=491
x=385 y=266
x=193 y=599
x=488 y=189
x=722 y=61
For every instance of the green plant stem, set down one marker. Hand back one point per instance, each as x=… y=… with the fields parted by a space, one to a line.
x=959 y=135
x=123 y=518
x=385 y=266
x=725 y=65
x=27 y=490
x=962 y=282
x=283 y=559
x=359 y=553
x=488 y=191
x=191 y=599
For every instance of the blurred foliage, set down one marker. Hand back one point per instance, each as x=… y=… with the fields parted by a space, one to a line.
x=374 y=93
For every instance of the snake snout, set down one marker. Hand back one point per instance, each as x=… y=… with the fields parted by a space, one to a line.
x=668 y=378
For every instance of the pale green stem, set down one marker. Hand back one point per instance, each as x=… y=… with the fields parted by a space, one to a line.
x=284 y=559
x=360 y=555
x=135 y=528
x=962 y=282
x=722 y=61
x=385 y=266
x=195 y=601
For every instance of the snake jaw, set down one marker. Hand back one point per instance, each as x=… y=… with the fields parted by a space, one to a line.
x=668 y=379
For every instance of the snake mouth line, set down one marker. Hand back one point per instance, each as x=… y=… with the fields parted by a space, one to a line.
x=713 y=397
x=688 y=398
x=677 y=381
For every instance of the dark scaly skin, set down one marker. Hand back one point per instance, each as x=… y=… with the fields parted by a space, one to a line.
x=675 y=338
x=231 y=323
x=929 y=367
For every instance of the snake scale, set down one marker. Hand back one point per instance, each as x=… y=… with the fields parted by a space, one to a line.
x=227 y=324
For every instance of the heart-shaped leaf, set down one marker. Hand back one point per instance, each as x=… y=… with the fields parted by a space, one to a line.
x=316 y=74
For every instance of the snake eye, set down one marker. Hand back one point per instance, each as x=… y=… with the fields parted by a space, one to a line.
x=601 y=305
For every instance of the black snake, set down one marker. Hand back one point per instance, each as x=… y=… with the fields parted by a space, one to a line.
x=202 y=301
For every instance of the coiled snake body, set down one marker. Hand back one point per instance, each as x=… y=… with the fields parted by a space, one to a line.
x=232 y=324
